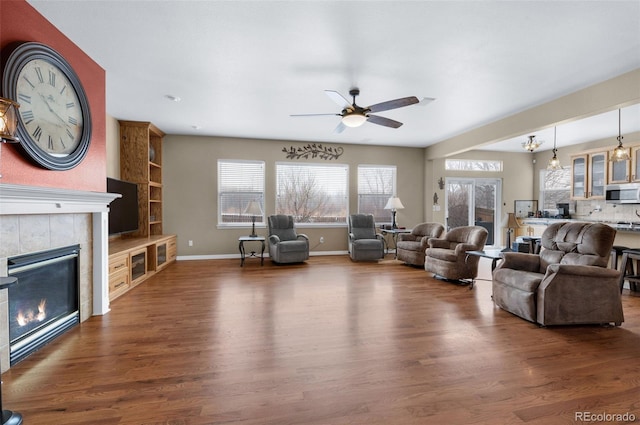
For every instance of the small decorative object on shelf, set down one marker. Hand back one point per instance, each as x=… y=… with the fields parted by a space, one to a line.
x=313 y=151
x=152 y=153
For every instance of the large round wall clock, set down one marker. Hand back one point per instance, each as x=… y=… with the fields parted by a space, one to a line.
x=54 y=125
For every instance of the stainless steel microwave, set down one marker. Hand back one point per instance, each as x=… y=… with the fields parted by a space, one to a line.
x=623 y=193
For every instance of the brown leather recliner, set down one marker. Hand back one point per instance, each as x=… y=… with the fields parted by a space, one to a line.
x=447 y=257
x=567 y=283
x=411 y=247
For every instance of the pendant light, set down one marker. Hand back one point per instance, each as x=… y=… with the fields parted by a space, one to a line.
x=532 y=144
x=620 y=153
x=554 y=162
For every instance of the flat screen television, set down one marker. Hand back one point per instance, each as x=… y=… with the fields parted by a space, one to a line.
x=123 y=212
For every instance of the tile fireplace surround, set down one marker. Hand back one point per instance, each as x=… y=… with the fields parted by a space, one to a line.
x=38 y=218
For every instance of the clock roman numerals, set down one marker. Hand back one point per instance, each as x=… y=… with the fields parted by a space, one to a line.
x=52 y=78
x=39 y=75
x=23 y=98
x=27 y=117
x=29 y=82
x=37 y=133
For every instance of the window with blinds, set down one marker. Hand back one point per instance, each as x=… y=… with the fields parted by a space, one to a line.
x=313 y=193
x=239 y=182
x=376 y=184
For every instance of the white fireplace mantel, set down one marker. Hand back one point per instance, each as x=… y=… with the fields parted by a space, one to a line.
x=21 y=199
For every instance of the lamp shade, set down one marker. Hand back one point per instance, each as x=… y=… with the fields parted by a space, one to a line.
x=512 y=222
x=394 y=203
x=253 y=208
x=8 y=120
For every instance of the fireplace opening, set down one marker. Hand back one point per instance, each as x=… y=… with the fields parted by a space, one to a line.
x=44 y=304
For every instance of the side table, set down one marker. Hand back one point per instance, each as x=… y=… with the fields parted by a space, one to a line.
x=493 y=254
x=394 y=236
x=242 y=240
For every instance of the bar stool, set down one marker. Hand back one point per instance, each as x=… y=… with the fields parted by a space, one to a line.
x=616 y=252
x=627 y=269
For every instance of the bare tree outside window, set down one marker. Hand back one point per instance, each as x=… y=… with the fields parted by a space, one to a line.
x=473 y=165
x=376 y=184
x=312 y=193
x=555 y=187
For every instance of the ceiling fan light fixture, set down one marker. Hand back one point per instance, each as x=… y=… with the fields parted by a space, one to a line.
x=354 y=119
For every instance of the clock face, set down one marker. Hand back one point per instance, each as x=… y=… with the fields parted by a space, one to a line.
x=54 y=128
x=49 y=108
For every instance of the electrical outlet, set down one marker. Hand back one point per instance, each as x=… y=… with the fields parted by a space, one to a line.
x=190 y=243
x=321 y=239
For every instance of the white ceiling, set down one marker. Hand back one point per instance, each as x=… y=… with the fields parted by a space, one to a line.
x=241 y=68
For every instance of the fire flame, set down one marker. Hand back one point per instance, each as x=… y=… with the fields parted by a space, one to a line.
x=25 y=317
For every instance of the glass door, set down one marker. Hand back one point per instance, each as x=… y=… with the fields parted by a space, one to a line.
x=474 y=202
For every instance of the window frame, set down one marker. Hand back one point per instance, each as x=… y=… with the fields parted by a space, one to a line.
x=449 y=165
x=387 y=218
x=260 y=220
x=544 y=191
x=342 y=166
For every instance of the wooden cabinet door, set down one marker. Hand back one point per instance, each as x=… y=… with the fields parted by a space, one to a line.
x=619 y=171
x=635 y=164
x=597 y=175
x=579 y=177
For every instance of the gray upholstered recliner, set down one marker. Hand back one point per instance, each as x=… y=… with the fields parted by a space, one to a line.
x=411 y=247
x=285 y=245
x=567 y=283
x=447 y=257
x=364 y=243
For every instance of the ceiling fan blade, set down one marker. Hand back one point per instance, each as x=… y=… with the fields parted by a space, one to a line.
x=338 y=99
x=314 y=115
x=393 y=104
x=376 y=119
x=339 y=128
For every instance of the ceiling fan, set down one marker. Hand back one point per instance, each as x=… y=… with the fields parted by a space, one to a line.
x=354 y=115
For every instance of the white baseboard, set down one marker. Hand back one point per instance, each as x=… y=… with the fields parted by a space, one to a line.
x=266 y=255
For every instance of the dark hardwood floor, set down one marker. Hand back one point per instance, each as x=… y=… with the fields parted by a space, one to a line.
x=326 y=342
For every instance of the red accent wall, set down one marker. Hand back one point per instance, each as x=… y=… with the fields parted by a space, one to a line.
x=20 y=22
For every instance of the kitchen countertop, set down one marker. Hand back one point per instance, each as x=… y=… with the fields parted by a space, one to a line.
x=624 y=226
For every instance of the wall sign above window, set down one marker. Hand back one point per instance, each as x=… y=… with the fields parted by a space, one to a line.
x=313 y=151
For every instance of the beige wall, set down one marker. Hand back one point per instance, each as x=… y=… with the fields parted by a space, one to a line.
x=190 y=189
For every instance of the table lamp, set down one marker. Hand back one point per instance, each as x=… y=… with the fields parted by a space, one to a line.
x=254 y=209
x=511 y=224
x=394 y=204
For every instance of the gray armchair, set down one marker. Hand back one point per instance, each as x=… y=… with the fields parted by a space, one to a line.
x=447 y=257
x=285 y=245
x=364 y=243
x=411 y=247
x=567 y=283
